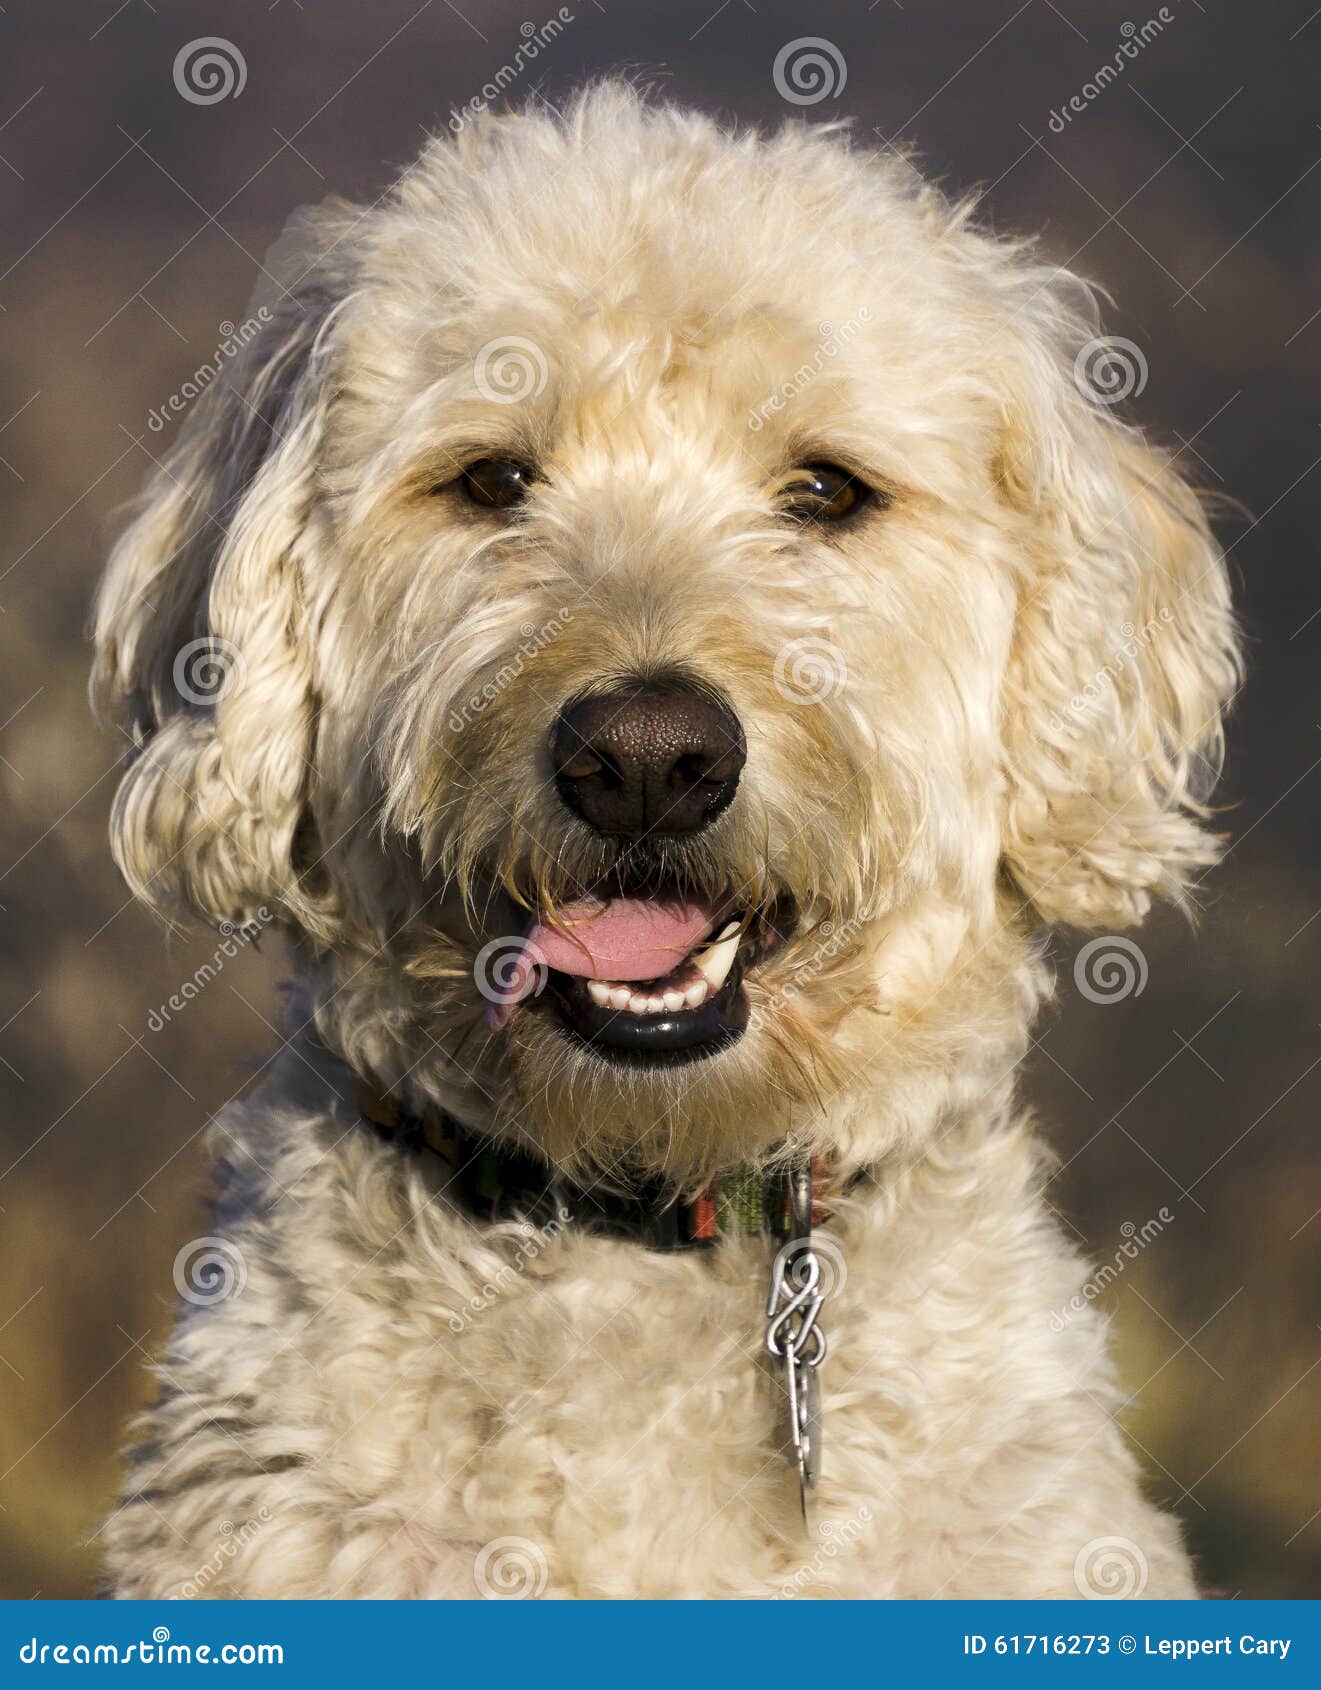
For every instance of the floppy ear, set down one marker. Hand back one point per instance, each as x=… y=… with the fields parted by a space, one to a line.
x=1125 y=652
x=203 y=656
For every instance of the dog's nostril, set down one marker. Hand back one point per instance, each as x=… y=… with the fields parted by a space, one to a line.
x=699 y=767
x=583 y=765
x=648 y=757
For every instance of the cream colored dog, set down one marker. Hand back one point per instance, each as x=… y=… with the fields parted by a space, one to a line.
x=696 y=563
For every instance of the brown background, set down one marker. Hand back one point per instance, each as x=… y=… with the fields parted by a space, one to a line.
x=132 y=221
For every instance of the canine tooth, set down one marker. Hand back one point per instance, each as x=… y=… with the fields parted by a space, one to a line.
x=716 y=962
x=619 y=997
x=673 y=1000
x=599 y=992
x=696 y=994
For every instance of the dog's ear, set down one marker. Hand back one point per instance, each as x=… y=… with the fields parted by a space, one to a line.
x=203 y=654
x=1125 y=652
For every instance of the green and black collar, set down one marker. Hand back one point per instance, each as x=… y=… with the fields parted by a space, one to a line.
x=493 y=1181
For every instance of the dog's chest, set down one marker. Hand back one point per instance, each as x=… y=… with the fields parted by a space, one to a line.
x=615 y=1409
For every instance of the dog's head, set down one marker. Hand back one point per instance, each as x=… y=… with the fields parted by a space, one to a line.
x=663 y=616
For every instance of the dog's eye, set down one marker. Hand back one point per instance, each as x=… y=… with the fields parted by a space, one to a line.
x=496 y=482
x=823 y=493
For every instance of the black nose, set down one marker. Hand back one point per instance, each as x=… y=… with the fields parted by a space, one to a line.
x=648 y=757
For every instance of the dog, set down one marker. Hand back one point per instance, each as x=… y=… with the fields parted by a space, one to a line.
x=641 y=617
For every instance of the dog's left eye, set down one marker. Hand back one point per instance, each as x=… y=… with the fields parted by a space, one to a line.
x=823 y=493
x=496 y=482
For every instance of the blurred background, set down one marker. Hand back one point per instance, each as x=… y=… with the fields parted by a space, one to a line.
x=136 y=207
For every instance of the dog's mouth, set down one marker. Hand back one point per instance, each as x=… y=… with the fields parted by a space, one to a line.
x=656 y=978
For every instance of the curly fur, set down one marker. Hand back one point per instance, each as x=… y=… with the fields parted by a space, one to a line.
x=928 y=816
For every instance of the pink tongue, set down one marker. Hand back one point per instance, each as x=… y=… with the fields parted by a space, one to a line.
x=622 y=938
x=604 y=939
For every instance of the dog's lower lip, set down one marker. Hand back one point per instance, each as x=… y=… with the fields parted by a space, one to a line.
x=683 y=1035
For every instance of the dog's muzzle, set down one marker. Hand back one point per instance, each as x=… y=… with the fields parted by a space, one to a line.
x=640 y=968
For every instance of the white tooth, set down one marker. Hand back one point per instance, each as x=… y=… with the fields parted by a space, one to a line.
x=599 y=992
x=637 y=1003
x=673 y=1000
x=716 y=962
x=696 y=993
x=655 y=1005
x=619 y=996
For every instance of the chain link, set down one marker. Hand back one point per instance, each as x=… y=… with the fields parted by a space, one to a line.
x=796 y=1338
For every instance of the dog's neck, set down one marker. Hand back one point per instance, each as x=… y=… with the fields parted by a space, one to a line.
x=647 y=1204
x=494 y=1181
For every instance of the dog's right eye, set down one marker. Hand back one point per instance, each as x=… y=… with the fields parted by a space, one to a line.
x=496 y=483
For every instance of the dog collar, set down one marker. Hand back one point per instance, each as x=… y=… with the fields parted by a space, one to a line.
x=496 y=1182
